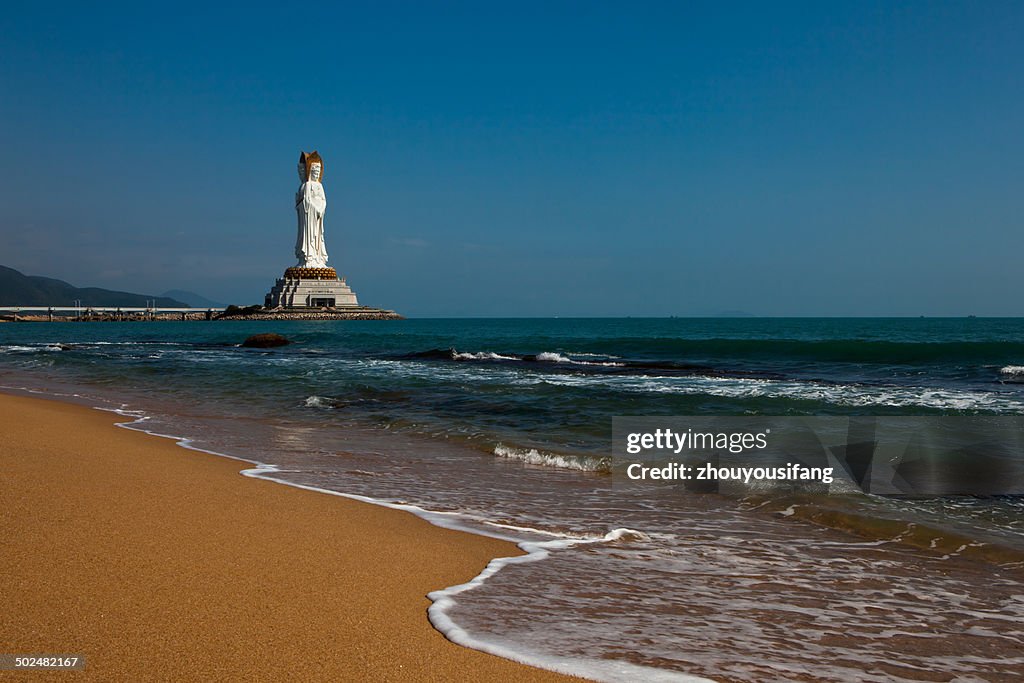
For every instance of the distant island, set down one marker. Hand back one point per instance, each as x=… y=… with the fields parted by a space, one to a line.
x=18 y=289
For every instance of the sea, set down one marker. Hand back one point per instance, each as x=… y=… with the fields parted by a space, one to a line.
x=503 y=427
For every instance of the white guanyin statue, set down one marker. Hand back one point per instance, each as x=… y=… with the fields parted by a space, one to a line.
x=310 y=205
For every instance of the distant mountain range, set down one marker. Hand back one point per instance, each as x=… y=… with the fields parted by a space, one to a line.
x=192 y=299
x=18 y=289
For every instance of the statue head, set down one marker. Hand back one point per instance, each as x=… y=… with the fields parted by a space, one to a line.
x=311 y=167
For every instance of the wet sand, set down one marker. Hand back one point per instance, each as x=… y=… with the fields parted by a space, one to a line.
x=160 y=563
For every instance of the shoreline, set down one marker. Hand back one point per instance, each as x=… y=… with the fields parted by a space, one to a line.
x=324 y=415
x=197 y=315
x=155 y=561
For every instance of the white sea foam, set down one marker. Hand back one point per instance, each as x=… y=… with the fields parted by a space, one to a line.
x=482 y=355
x=603 y=670
x=1013 y=370
x=838 y=394
x=552 y=357
x=44 y=348
x=858 y=395
x=531 y=456
x=318 y=402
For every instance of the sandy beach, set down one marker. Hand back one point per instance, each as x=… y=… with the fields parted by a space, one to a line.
x=160 y=563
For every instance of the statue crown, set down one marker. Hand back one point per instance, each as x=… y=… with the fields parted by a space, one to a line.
x=306 y=161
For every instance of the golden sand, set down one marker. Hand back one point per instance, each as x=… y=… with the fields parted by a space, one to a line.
x=160 y=563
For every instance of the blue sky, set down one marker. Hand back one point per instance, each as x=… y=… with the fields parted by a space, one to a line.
x=527 y=159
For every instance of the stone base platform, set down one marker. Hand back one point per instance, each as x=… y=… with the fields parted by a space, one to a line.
x=306 y=288
x=347 y=313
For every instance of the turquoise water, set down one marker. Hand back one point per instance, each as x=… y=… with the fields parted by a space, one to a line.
x=505 y=425
x=555 y=382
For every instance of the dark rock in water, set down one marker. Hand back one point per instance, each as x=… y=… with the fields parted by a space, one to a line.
x=265 y=341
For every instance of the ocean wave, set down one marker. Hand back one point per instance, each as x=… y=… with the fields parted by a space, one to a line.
x=481 y=355
x=854 y=395
x=946 y=542
x=729 y=387
x=624 y=534
x=851 y=350
x=1013 y=370
x=559 y=362
x=319 y=402
x=41 y=348
x=543 y=357
x=532 y=456
x=571 y=537
x=554 y=357
x=673 y=353
x=140 y=342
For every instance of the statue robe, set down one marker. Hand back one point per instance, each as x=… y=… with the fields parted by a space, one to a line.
x=310 y=205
